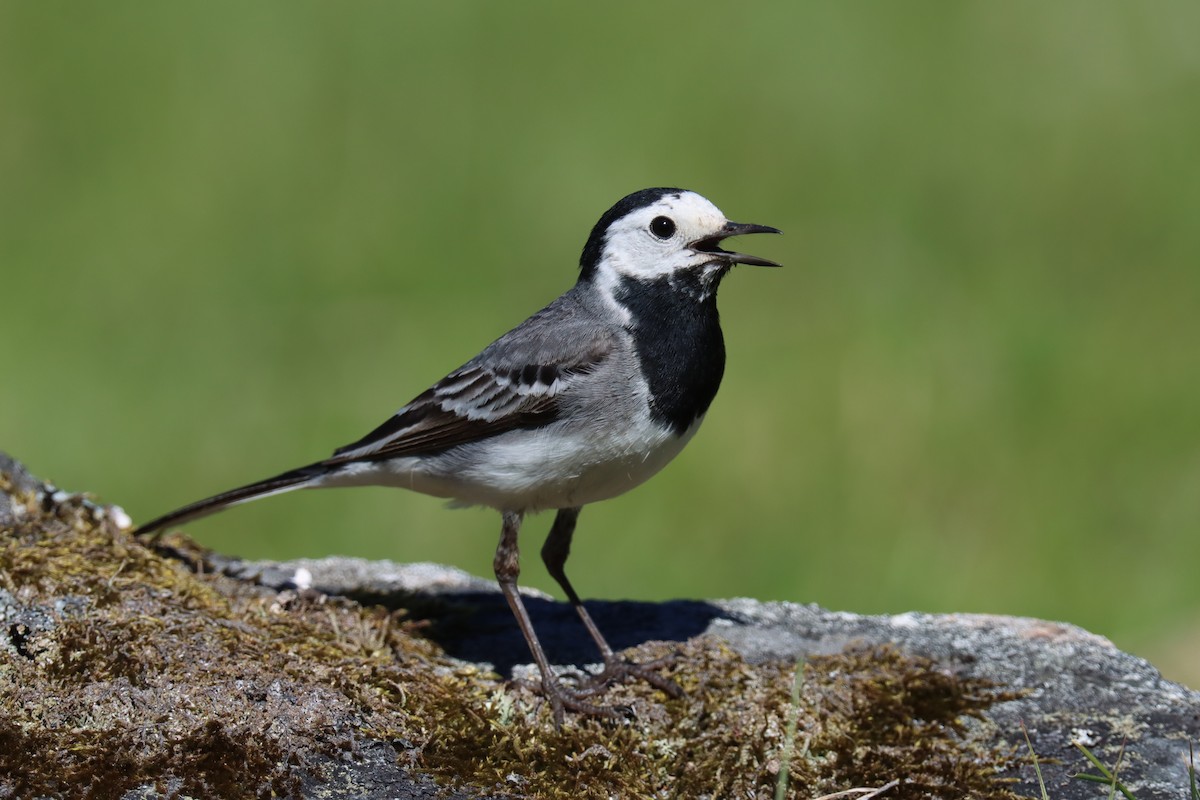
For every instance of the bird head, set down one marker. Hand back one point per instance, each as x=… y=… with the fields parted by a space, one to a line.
x=659 y=233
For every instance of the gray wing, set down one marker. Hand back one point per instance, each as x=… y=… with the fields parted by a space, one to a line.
x=516 y=382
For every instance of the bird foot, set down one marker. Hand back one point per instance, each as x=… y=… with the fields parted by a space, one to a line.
x=577 y=698
x=563 y=698
x=619 y=670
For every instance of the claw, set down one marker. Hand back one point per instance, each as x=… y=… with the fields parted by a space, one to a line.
x=619 y=670
x=563 y=698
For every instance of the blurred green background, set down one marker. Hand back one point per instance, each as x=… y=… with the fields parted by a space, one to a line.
x=234 y=236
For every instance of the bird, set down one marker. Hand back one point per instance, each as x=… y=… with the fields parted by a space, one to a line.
x=584 y=400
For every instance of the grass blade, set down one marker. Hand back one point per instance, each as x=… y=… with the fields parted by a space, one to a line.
x=1105 y=775
x=1192 y=772
x=1037 y=768
x=789 y=739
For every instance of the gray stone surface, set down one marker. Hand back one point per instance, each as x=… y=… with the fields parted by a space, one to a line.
x=1080 y=686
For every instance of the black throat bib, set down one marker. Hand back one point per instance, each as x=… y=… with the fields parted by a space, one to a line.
x=677 y=335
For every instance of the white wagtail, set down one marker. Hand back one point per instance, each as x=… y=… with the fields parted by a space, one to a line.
x=581 y=402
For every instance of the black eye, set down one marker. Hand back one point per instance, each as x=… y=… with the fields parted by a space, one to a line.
x=662 y=227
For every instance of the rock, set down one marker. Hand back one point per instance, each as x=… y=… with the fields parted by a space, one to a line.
x=1080 y=687
x=107 y=692
x=118 y=662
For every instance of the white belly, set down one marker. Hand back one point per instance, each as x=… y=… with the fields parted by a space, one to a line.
x=531 y=470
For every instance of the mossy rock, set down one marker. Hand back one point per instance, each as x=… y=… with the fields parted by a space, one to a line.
x=132 y=671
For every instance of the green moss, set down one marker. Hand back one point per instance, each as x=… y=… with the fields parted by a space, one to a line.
x=121 y=666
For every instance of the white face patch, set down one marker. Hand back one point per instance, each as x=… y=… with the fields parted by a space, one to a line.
x=653 y=242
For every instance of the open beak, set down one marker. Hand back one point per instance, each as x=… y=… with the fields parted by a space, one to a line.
x=712 y=244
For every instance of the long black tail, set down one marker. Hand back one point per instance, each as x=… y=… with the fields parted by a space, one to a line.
x=284 y=482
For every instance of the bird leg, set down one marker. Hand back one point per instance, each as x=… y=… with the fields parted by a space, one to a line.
x=554 y=554
x=507 y=566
